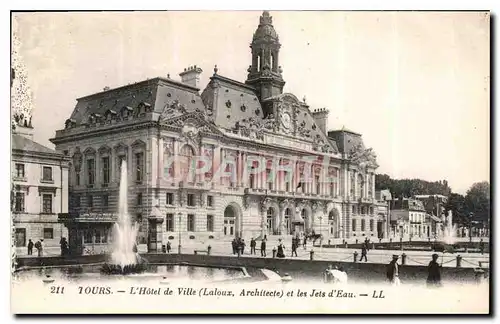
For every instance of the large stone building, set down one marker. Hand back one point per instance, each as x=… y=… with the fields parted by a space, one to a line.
x=265 y=162
x=39 y=189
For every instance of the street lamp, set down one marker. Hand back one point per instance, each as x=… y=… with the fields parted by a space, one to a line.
x=179 y=228
x=470 y=226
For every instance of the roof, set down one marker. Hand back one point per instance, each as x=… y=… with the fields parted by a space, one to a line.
x=25 y=144
x=157 y=92
x=434 y=218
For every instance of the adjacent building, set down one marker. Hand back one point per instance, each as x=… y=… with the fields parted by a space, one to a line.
x=234 y=159
x=39 y=193
x=409 y=219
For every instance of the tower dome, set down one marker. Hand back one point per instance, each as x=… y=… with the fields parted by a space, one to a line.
x=265 y=30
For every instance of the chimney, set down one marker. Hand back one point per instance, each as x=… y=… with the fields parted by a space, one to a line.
x=321 y=118
x=191 y=76
x=22 y=126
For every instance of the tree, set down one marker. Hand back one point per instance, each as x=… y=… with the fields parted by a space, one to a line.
x=477 y=201
x=456 y=203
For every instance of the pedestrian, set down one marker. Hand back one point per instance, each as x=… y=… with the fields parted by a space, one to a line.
x=40 y=248
x=253 y=244
x=263 y=247
x=281 y=250
x=393 y=271
x=169 y=247
x=434 y=272
x=305 y=241
x=481 y=246
x=363 y=253
x=30 y=247
x=294 y=246
x=242 y=246
x=64 y=246
x=235 y=245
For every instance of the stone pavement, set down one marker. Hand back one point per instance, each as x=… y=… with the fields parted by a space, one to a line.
x=469 y=260
x=224 y=248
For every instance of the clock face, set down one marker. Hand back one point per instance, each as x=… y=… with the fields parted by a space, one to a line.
x=285 y=120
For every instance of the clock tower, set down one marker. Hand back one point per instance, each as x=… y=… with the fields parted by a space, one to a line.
x=265 y=72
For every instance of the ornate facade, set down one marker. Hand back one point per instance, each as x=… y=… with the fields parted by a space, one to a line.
x=265 y=162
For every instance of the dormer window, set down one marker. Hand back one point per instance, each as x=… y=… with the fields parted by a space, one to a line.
x=109 y=114
x=69 y=123
x=126 y=111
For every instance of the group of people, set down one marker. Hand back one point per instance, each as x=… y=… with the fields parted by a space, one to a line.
x=38 y=246
x=433 y=272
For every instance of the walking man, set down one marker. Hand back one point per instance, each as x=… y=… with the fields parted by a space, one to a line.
x=305 y=241
x=294 y=246
x=263 y=248
x=481 y=246
x=434 y=272
x=169 y=247
x=30 y=247
x=253 y=244
x=363 y=253
x=393 y=271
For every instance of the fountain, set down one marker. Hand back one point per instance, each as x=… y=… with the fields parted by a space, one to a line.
x=449 y=231
x=124 y=258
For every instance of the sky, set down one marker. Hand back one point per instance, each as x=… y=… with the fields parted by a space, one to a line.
x=415 y=84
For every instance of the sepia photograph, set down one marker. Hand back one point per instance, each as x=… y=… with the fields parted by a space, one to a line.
x=250 y=162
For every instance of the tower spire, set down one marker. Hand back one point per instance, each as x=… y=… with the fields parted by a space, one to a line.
x=265 y=73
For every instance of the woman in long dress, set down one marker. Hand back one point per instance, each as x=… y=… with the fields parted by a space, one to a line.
x=281 y=248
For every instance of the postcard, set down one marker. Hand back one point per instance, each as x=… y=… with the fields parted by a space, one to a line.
x=250 y=162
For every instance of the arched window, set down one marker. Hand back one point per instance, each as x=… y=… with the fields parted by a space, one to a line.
x=272 y=62
x=186 y=162
x=269 y=219
x=259 y=63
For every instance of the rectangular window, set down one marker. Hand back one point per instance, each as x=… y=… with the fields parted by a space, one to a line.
x=77 y=201
x=190 y=200
x=354 y=209
x=90 y=201
x=139 y=199
x=332 y=192
x=105 y=170
x=139 y=163
x=287 y=186
x=170 y=198
x=354 y=225
x=47 y=173
x=169 y=221
x=120 y=160
x=77 y=178
x=105 y=200
x=19 y=170
x=48 y=233
x=210 y=223
x=362 y=225
x=47 y=204
x=190 y=223
x=105 y=234
x=90 y=172
x=19 y=205
x=318 y=185
x=210 y=201
x=87 y=236
x=97 y=234
x=269 y=180
x=371 y=225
